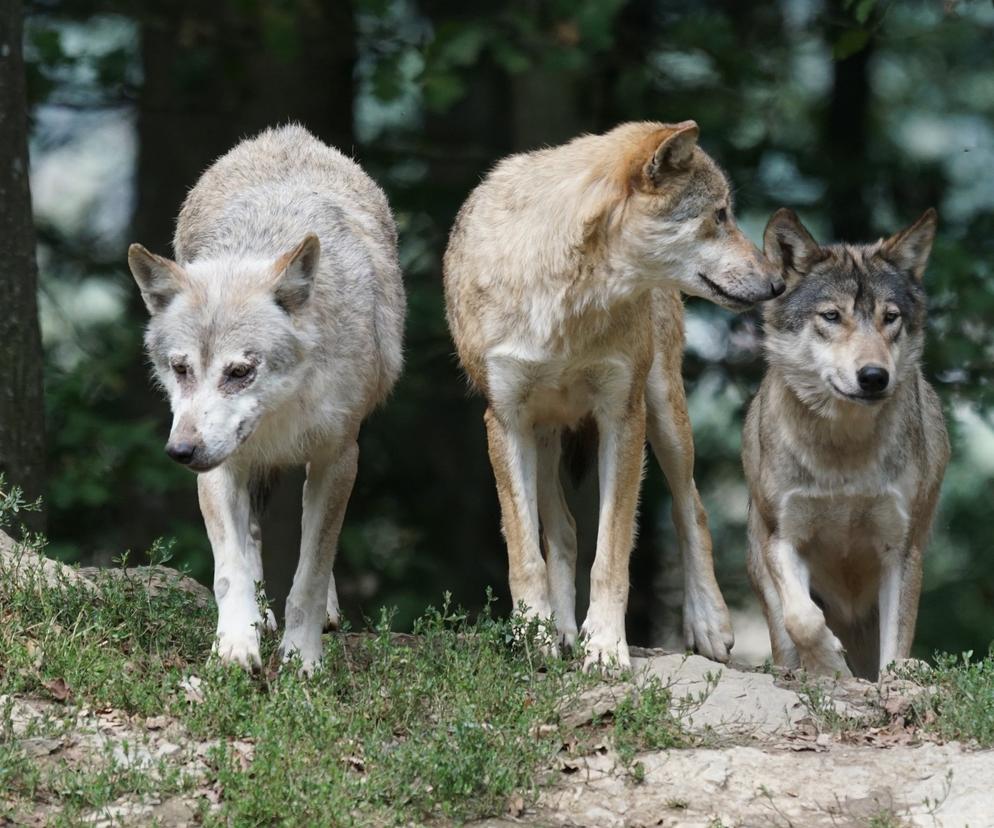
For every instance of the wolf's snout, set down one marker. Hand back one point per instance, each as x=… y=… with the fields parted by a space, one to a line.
x=181 y=452
x=777 y=287
x=873 y=378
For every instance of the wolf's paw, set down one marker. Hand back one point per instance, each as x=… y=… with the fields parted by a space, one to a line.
x=604 y=646
x=567 y=636
x=308 y=650
x=239 y=647
x=707 y=626
x=545 y=638
x=817 y=646
x=532 y=620
x=827 y=658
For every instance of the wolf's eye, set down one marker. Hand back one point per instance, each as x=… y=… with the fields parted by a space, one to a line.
x=179 y=368
x=891 y=317
x=721 y=215
x=830 y=315
x=238 y=371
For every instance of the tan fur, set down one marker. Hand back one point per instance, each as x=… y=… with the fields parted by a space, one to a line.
x=562 y=280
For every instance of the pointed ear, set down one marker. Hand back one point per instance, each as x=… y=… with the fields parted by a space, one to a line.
x=788 y=244
x=159 y=278
x=295 y=274
x=673 y=153
x=909 y=249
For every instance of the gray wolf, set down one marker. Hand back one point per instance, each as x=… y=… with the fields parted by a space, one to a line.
x=562 y=280
x=274 y=333
x=844 y=450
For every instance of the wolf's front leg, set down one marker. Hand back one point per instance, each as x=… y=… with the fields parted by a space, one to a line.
x=900 y=588
x=819 y=649
x=225 y=505
x=707 y=626
x=330 y=477
x=620 y=461
x=514 y=456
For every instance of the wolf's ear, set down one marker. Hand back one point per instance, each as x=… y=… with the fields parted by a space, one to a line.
x=673 y=153
x=159 y=278
x=788 y=244
x=909 y=249
x=295 y=274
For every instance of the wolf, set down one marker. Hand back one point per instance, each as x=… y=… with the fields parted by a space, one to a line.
x=562 y=279
x=275 y=331
x=844 y=449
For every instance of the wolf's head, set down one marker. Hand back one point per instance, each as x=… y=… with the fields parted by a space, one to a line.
x=675 y=223
x=851 y=323
x=227 y=342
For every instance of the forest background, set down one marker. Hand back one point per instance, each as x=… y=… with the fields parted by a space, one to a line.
x=857 y=113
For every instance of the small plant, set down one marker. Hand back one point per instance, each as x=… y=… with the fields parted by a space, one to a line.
x=960 y=704
x=645 y=720
x=12 y=503
x=395 y=729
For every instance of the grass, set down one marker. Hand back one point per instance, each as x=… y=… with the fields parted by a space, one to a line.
x=449 y=723
x=960 y=704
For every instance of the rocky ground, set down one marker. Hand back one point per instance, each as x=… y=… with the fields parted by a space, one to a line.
x=766 y=760
x=777 y=753
x=764 y=750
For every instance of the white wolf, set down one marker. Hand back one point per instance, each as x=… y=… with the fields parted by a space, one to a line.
x=275 y=332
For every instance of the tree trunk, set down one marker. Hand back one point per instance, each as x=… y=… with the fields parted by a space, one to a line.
x=22 y=432
x=847 y=134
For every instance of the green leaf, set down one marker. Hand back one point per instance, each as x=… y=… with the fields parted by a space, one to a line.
x=441 y=90
x=863 y=10
x=849 y=43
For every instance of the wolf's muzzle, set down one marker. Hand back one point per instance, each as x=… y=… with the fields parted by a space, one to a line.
x=181 y=452
x=872 y=378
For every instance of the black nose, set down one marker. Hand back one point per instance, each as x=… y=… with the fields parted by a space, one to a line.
x=777 y=287
x=873 y=378
x=181 y=452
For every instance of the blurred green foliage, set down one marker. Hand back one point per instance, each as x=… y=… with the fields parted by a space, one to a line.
x=858 y=113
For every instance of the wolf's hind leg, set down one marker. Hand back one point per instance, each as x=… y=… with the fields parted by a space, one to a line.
x=225 y=505
x=255 y=538
x=707 y=626
x=333 y=615
x=330 y=477
x=559 y=534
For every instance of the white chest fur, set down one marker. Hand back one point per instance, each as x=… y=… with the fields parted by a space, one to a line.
x=547 y=389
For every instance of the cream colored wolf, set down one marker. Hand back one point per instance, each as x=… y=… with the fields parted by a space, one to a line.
x=844 y=450
x=562 y=280
x=275 y=332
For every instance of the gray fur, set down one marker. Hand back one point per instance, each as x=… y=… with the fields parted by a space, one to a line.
x=843 y=483
x=276 y=331
x=331 y=350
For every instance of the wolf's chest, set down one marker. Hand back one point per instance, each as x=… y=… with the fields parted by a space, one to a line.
x=548 y=389
x=828 y=525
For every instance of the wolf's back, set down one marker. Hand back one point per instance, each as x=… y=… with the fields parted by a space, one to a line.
x=266 y=194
